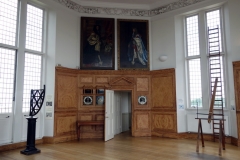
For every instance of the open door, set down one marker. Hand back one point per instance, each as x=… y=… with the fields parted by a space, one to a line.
x=109 y=113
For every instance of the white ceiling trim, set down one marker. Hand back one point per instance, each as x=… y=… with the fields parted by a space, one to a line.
x=106 y=4
x=127 y=12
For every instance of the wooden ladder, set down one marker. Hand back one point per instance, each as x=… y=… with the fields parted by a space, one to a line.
x=216 y=74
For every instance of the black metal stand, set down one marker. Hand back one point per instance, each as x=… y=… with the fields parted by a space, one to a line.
x=30 y=148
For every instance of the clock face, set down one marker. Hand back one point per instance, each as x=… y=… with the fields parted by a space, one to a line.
x=87 y=100
x=142 y=100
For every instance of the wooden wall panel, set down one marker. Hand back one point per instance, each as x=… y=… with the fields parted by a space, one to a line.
x=102 y=79
x=236 y=72
x=138 y=82
x=141 y=123
x=163 y=116
x=99 y=117
x=142 y=84
x=86 y=79
x=65 y=123
x=164 y=90
x=238 y=123
x=142 y=120
x=67 y=92
x=164 y=122
x=86 y=117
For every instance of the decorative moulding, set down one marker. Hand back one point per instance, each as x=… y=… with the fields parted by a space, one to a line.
x=115 y=4
x=127 y=12
x=173 y=6
x=121 y=81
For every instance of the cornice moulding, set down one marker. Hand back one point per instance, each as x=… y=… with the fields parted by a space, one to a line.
x=126 y=11
x=160 y=3
x=111 y=5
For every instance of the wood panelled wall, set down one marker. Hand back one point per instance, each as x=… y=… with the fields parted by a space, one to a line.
x=236 y=72
x=157 y=117
x=164 y=117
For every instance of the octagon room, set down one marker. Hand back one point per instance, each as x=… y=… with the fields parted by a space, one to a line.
x=118 y=79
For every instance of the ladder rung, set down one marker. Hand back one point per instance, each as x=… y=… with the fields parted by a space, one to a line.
x=214 y=59
x=212 y=33
x=213 y=37
x=215 y=63
x=213 y=29
x=213 y=46
x=214 y=42
x=214 y=54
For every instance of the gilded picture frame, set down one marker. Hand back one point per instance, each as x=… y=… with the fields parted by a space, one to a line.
x=133 y=44
x=97 y=50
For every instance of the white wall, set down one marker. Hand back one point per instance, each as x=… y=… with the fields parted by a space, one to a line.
x=124 y=102
x=50 y=70
x=163 y=43
x=233 y=54
x=165 y=39
x=63 y=47
x=125 y=109
x=67 y=39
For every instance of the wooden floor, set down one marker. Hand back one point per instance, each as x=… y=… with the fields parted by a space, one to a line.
x=125 y=147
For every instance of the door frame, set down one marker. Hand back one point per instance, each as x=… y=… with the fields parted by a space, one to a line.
x=132 y=92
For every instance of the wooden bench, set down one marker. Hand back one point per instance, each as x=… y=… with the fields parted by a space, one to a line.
x=87 y=123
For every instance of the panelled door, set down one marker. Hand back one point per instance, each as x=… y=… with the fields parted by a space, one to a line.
x=109 y=115
x=6 y=120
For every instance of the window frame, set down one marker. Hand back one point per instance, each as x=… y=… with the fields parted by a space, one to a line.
x=34 y=52
x=21 y=50
x=204 y=57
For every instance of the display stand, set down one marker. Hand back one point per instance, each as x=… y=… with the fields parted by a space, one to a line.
x=36 y=102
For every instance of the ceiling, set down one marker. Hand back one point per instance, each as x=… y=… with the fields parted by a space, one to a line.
x=147 y=4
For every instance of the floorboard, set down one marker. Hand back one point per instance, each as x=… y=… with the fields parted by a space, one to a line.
x=125 y=147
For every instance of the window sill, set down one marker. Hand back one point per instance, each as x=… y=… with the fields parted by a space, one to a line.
x=202 y=109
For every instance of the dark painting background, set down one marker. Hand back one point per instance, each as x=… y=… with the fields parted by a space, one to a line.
x=124 y=36
x=90 y=60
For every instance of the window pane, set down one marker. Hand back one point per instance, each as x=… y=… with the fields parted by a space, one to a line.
x=217 y=72
x=213 y=21
x=195 y=84
x=32 y=77
x=7 y=70
x=34 y=28
x=192 y=36
x=8 y=21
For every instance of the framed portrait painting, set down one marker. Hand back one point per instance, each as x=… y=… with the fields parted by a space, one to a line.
x=133 y=44
x=97 y=43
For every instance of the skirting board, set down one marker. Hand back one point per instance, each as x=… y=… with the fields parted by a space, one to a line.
x=12 y=146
